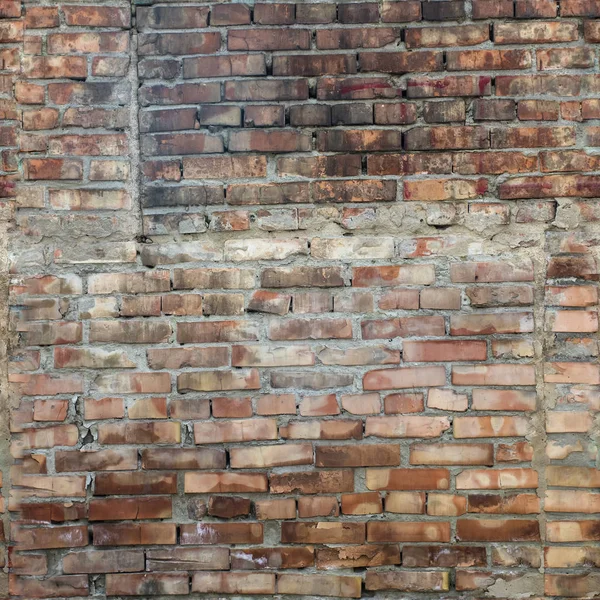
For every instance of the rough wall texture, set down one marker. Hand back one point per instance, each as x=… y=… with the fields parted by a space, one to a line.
x=303 y=298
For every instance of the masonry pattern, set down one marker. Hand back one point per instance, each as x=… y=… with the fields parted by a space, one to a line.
x=302 y=299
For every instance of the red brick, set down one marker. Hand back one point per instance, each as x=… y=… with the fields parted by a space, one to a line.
x=322 y=533
x=268 y=39
x=316 y=482
x=407 y=479
x=302 y=65
x=103 y=562
x=221 y=533
x=134 y=483
x=134 y=534
x=10 y=9
x=269 y=141
x=334 y=39
x=402 y=327
x=139 y=433
x=394 y=114
x=444 y=351
x=41 y=17
x=224 y=66
x=118 y=509
x=292 y=89
x=444 y=189
x=453 y=85
x=474 y=530
x=407 y=531
x=446 y=138
x=400 y=62
x=53 y=169
x=355 y=88
x=56 y=537
x=186 y=93
x=349 y=456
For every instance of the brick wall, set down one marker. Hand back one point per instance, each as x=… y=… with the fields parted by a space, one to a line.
x=303 y=298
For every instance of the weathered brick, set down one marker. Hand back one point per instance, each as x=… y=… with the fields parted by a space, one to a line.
x=317 y=482
x=322 y=533
x=178 y=43
x=453 y=85
x=181 y=93
x=408 y=582
x=51 y=67
x=224 y=66
x=534 y=33
x=175 y=17
x=109 y=561
x=369 y=555
x=317 y=13
x=65 y=586
x=291 y=122
x=325 y=585
x=63 y=43
x=400 y=62
x=444 y=189
x=348 y=456
x=358 y=140
x=355 y=88
x=455 y=35
x=474 y=60
x=446 y=138
x=133 y=583
x=497 y=530
x=407 y=479
x=261 y=91
x=408 y=532
x=127 y=534
x=269 y=141
x=96 y=16
x=302 y=65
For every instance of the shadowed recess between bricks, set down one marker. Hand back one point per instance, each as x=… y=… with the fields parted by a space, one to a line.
x=299 y=299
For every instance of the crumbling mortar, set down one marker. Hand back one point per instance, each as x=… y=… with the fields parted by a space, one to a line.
x=538 y=436
x=8 y=401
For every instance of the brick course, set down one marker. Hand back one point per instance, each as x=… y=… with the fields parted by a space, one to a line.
x=302 y=298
